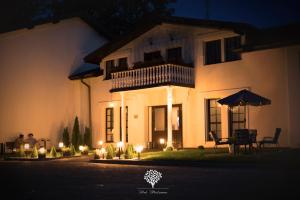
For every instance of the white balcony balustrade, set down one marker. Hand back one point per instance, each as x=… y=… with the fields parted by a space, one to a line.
x=166 y=74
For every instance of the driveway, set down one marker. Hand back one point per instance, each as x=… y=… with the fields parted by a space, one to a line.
x=79 y=179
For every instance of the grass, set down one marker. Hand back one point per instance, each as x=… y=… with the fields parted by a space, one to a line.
x=282 y=156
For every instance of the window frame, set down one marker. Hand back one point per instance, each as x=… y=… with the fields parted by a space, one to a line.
x=109 y=70
x=208 y=119
x=227 y=50
x=111 y=127
x=205 y=51
x=178 y=59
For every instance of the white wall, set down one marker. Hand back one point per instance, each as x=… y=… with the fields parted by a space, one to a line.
x=36 y=94
x=273 y=73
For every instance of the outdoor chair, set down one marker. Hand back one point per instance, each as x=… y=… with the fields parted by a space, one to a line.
x=271 y=140
x=217 y=140
x=241 y=137
x=252 y=138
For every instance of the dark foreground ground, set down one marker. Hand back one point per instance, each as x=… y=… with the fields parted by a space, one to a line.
x=79 y=179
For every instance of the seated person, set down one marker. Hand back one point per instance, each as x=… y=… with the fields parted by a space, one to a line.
x=19 y=141
x=31 y=140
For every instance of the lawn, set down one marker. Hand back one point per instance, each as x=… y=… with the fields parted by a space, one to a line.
x=281 y=156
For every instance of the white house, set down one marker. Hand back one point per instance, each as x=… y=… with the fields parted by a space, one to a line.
x=161 y=81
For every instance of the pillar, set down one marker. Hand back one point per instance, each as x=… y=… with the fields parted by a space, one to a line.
x=169 y=109
x=123 y=118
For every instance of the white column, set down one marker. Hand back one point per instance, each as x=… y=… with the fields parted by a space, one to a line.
x=169 y=102
x=123 y=117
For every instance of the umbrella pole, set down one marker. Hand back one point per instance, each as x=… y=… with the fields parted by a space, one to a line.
x=248 y=116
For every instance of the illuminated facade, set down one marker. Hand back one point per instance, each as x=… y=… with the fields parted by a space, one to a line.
x=164 y=82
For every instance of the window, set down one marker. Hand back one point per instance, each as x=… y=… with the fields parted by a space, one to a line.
x=109 y=116
x=213 y=118
x=213 y=52
x=123 y=63
x=126 y=113
x=231 y=44
x=174 y=54
x=237 y=118
x=109 y=65
x=152 y=56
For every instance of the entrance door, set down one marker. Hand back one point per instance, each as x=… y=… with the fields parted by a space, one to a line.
x=160 y=125
x=237 y=118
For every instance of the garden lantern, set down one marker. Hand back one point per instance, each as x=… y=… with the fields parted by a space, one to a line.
x=120 y=145
x=162 y=142
x=42 y=150
x=81 y=148
x=26 y=146
x=100 y=143
x=139 y=149
x=61 y=145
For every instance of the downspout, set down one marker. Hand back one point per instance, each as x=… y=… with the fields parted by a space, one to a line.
x=89 y=102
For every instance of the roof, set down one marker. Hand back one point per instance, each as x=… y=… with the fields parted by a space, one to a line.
x=97 y=55
x=86 y=70
x=272 y=38
x=85 y=17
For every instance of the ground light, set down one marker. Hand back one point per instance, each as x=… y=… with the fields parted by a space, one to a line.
x=42 y=152
x=61 y=145
x=26 y=146
x=139 y=149
x=120 y=145
x=162 y=142
x=100 y=143
x=81 y=148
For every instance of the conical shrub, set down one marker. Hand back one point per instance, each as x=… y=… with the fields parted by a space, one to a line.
x=53 y=153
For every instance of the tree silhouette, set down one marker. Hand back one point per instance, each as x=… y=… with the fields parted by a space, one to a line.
x=152 y=177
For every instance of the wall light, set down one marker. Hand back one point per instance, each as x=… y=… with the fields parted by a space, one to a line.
x=26 y=146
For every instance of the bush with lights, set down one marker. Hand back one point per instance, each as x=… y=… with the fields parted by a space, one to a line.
x=35 y=153
x=129 y=153
x=53 y=153
x=110 y=152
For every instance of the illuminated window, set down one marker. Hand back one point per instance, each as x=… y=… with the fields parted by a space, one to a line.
x=109 y=121
x=213 y=118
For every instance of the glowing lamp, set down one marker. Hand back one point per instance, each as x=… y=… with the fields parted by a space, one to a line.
x=139 y=149
x=26 y=146
x=42 y=150
x=81 y=148
x=162 y=141
x=120 y=144
x=100 y=142
x=61 y=145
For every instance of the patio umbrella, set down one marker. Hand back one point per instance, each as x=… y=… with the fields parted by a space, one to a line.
x=244 y=98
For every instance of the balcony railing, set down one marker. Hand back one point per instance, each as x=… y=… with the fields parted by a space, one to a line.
x=166 y=74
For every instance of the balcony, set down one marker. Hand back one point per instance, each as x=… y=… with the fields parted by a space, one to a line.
x=159 y=75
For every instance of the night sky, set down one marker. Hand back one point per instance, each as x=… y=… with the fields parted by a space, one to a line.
x=261 y=13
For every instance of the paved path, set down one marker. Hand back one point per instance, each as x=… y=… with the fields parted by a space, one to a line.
x=79 y=179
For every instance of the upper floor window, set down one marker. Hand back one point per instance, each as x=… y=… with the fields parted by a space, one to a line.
x=123 y=63
x=152 y=56
x=231 y=44
x=213 y=52
x=109 y=65
x=174 y=54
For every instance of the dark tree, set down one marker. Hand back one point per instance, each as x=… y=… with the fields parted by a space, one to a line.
x=117 y=17
x=66 y=137
x=76 y=137
x=87 y=138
